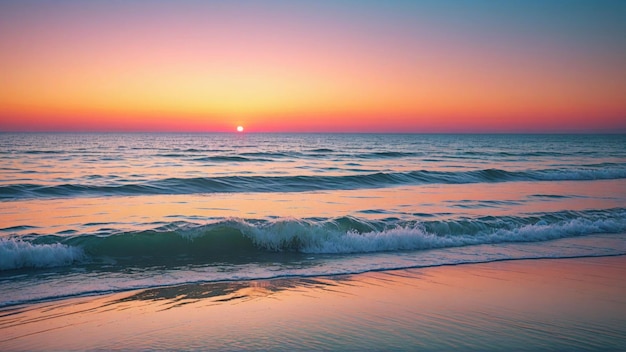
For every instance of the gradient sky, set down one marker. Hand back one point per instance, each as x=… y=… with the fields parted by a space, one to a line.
x=337 y=66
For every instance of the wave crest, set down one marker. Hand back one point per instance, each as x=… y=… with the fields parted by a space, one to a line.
x=303 y=237
x=253 y=241
x=261 y=184
x=16 y=254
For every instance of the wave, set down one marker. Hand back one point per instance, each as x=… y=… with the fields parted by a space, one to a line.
x=348 y=235
x=307 y=183
x=44 y=152
x=16 y=254
x=321 y=150
x=271 y=154
x=385 y=155
x=241 y=241
x=527 y=154
x=227 y=158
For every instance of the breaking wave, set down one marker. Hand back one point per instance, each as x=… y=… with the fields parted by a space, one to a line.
x=238 y=241
x=16 y=254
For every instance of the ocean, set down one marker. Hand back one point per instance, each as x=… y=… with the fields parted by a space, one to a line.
x=87 y=214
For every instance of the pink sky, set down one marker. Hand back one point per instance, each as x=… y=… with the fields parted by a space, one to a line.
x=323 y=66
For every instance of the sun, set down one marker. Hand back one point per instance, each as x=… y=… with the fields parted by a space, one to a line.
x=239 y=128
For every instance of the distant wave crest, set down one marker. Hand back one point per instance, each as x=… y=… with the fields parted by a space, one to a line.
x=199 y=185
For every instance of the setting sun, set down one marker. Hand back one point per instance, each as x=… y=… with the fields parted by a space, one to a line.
x=239 y=128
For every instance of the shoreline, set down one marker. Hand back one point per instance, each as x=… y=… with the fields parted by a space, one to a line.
x=564 y=303
x=96 y=294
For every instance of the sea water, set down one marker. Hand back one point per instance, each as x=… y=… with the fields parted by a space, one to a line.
x=90 y=213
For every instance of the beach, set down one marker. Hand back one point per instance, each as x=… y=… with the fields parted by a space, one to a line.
x=549 y=304
x=175 y=241
x=312 y=176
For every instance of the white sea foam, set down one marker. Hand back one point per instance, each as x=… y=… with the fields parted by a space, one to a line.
x=15 y=254
x=308 y=238
x=606 y=173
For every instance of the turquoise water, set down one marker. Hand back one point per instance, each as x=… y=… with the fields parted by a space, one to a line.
x=88 y=214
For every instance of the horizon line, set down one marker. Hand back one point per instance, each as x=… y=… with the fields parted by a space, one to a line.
x=612 y=132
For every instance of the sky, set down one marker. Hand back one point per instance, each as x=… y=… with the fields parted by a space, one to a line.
x=313 y=66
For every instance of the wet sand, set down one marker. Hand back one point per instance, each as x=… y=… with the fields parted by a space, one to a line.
x=557 y=304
